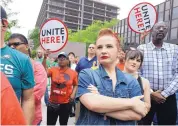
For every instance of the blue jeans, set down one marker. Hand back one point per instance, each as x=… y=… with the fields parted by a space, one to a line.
x=39 y=123
x=46 y=97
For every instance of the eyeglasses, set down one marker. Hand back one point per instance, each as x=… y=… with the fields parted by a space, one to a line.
x=91 y=47
x=15 y=44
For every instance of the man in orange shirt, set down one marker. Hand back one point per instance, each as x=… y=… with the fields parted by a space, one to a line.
x=11 y=112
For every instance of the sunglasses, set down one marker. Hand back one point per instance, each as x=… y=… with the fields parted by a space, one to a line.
x=91 y=47
x=62 y=58
x=15 y=44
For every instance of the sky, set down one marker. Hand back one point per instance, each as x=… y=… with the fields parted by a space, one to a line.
x=28 y=11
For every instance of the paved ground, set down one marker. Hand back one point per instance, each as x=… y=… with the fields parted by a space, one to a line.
x=70 y=122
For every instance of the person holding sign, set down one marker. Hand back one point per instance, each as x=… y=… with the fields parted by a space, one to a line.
x=118 y=101
x=63 y=89
x=53 y=35
x=160 y=67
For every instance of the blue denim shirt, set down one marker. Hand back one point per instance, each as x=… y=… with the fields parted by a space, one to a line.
x=126 y=87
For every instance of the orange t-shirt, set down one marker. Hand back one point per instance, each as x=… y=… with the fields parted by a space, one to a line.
x=120 y=66
x=62 y=82
x=11 y=112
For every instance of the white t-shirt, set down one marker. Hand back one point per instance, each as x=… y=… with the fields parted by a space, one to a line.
x=73 y=66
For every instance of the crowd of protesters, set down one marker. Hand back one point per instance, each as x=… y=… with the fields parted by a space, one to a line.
x=110 y=86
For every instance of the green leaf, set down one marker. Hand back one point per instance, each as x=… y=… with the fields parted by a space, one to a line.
x=89 y=35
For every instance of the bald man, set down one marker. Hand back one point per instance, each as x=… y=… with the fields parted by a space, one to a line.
x=160 y=67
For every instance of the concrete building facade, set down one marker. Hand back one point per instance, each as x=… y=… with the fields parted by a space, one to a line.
x=76 y=13
x=167 y=11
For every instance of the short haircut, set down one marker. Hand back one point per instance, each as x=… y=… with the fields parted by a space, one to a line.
x=19 y=36
x=72 y=54
x=132 y=54
x=22 y=38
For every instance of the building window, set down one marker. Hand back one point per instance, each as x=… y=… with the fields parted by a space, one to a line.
x=125 y=34
x=119 y=28
x=133 y=39
x=87 y=9
x=174 y=33
x=160 y=16
x=133 y=33
x=88 y=3
x=128 y=40
x=167 y=5
x=122 y=29
x=122 y=22
x=125 y=28
x=87 y=16
x=175 y=3
x=174 y=23
x=175 y=13
x=129 y=34
x=137 y=39
x=126 y=21
x=167 y=15
x=161 y=7
x=118 y=24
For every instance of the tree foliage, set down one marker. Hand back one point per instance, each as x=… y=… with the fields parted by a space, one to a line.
x=33 y=54
x=34 y=35
x=89 y=34
x=12 y=23
x=5 y=3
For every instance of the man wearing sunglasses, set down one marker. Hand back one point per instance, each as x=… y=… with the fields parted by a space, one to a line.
x=18 y=69
x=87 y=62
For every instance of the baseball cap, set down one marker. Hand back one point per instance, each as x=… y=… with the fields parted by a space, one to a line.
x=62 y=54
x=3 y=13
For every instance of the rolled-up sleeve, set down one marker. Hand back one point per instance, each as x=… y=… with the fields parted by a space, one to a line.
x=84 y=81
